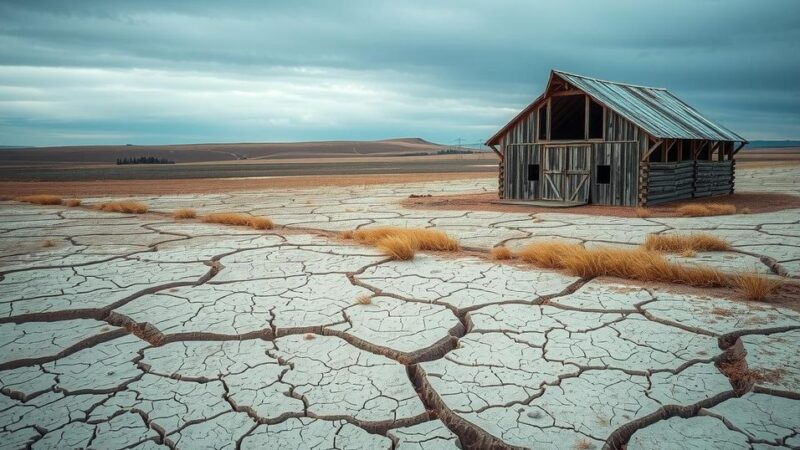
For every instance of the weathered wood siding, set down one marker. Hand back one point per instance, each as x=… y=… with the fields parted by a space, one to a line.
x=713 y=178
x=623 y=145
x=667 y=182
x=623 y=158
x=515 y=172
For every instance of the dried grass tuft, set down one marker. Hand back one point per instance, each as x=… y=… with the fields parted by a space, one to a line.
x=677 y=243
x=40 y=199
x=401 y=247
x=583 y=444
x=124 y=206
x=365 y=299
x=688 y=253
x=261 y=223
x=48 y=243
x=184 y=213
x=240 y=219
x=755 y=286
x=642 y=213
x=636 y=264
x=501 y=253
x=706 y=209
x=309 y=336
x=73 y=202
x=745 y=210
x=404 y=242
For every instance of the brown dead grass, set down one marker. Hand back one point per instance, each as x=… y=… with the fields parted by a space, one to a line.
x=583 y=444
x=40 y=199
x=687 y=253
x=636 y=264
x=261 y=223
x=73 y=202
x=501 y=253
x=48 y=243
x=240 y=219
x=642 y=213
x=678 y=243
x=365 y=299
x=124 y=206
x=706 y=209
x=184 y=213
x=401 y=247
x=755 y=286
x=422 y=238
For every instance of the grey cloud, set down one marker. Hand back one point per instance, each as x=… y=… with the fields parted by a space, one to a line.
x=465 y=66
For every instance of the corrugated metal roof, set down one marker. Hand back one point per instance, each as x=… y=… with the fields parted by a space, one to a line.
x=655 y=110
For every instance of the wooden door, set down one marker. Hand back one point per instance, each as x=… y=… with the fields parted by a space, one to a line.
x=554 y=167
x=577 y=179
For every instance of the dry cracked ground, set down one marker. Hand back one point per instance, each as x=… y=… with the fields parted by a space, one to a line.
x=143 y=331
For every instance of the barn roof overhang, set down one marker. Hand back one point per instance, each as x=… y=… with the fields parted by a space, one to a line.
x=655 y=110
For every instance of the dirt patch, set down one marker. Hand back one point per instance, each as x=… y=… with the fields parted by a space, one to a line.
x=114 y=188
x=755 y=202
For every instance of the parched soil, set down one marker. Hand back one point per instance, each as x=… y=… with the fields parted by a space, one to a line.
x=755 y=202
x=10 y=189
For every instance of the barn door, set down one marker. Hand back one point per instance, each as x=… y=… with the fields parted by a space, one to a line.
x=578 y=174
x=554 y=168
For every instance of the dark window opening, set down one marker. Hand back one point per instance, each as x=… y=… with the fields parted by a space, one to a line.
x=595 y=120
x=543 y=123
x=533 y=172
x=603 y=174
x=568 y=117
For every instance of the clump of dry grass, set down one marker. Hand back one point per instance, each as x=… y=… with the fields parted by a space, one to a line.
x=261 y=223
x=501 y=253
x=124 y=206
x=73 y=202
x=403 y=243
x=583 y=444
x=688 y=253
x=642 y=213
x=240 y=219
x=755 y=286
x=184 y=213
x=401 y=248
x=40 y=199
x=309 y=336
x=706 y=209
x=677 y=243
x=48 y=243
x=636 y=264
x=424 y=238
x=745 y=210
x=365 y=299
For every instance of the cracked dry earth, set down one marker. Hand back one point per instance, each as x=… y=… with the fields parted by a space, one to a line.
x=144 y=332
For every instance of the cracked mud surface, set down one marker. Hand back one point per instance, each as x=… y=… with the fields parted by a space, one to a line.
x=145 y=332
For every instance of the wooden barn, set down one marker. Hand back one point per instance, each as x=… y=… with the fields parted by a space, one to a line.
x=586 y=140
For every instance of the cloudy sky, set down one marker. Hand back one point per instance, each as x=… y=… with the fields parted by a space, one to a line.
x=164 y=71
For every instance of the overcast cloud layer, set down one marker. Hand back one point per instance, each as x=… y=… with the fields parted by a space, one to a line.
x=156 y=71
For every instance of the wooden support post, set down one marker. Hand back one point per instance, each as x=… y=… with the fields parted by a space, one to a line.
x=651 y=150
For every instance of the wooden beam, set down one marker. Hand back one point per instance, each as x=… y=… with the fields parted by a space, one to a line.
x=499 y=155
x=651 y=150
x=567 y=92
x=586 y=117
x=741 y=145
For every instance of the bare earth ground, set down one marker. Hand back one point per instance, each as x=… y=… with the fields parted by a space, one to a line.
x=126 y=331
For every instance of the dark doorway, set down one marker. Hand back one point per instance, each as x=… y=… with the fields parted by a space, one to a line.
x=568 y=116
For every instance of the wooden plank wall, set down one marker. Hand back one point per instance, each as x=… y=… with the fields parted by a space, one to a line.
x=713 y=178
x=517 y=146
x=515 y=172
x=670 y=181
x=623 y=158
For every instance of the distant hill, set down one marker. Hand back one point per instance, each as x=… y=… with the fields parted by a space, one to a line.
x=108 y=154
x=772 y=144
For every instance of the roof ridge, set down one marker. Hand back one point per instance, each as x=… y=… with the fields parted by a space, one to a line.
x=608 y=81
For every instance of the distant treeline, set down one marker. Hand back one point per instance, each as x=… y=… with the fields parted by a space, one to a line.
x=453 y=151
x=144 y=160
